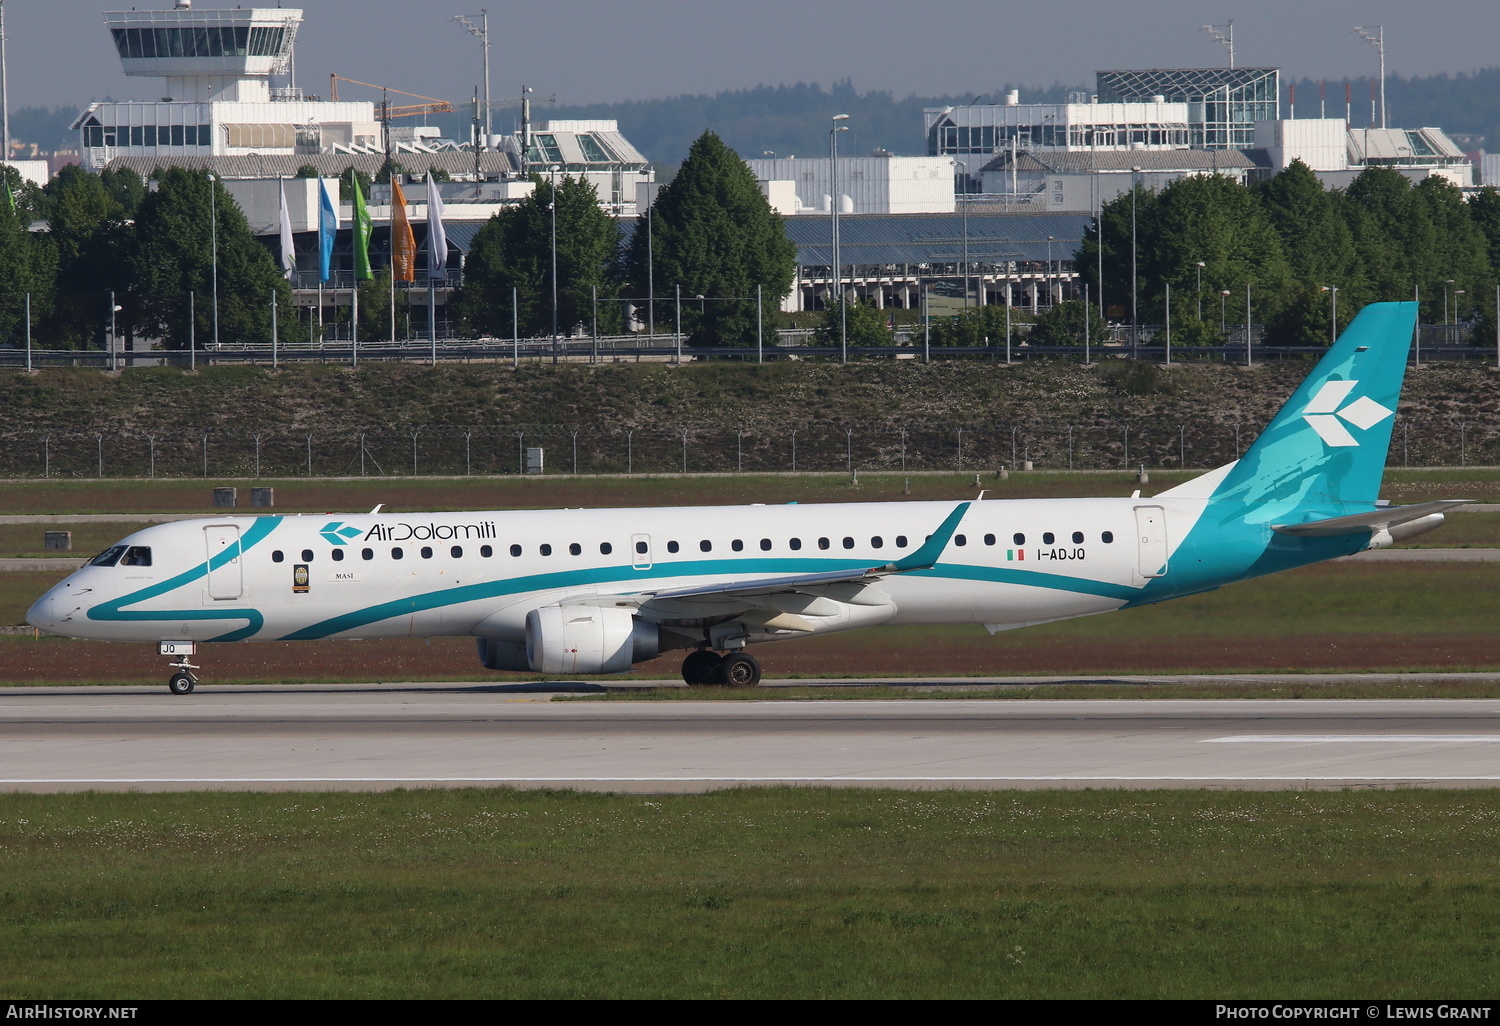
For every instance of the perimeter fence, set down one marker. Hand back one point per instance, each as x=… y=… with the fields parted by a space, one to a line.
x=445 y=450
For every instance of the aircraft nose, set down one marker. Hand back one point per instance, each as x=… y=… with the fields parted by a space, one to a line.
x=43 y=613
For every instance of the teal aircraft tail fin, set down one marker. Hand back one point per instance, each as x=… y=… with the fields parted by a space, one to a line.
x=1327 y=446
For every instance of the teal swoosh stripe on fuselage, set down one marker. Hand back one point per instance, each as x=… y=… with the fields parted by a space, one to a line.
x=112 y=610
x=717 y=568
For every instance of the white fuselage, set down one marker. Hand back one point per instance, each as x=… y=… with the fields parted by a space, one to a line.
x=1009 y=563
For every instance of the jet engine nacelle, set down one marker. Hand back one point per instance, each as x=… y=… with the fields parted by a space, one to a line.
x=588 y=639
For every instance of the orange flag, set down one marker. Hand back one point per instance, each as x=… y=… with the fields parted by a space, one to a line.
x=403 y=243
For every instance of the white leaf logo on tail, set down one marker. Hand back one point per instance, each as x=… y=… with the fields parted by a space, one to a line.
x=1327 y=419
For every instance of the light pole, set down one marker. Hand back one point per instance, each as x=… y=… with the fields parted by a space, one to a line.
x=552 y=176
x=1135 y=324
x=482 y=33
x=1223 y=315
x=964 y=208
x=213 y=220
x=650 y=261
x=1446 y=284
x=1333 y=313
x=1200 y=291
x=838 y=280
x=1048 y=275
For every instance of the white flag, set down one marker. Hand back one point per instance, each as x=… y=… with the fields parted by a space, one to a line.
x=288 y=256
x=437 y=239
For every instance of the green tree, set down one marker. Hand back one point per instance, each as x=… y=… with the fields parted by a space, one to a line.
x=26 y=266
x=714 y=234
x=1114 y=227
x=978 y=326
x=1393 y=236
x=862 y=325
x=514 y=251
x=125 y=187
x=1213 y=219
x=89 y=244
x=173 y=255
x=1063 y=325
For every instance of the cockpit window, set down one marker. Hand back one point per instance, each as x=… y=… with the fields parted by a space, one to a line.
x=137 y=555
x=109 y=557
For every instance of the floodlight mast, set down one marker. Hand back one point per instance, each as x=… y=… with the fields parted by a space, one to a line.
x=482 y=32
x=1225 y=38
x=1378 y=42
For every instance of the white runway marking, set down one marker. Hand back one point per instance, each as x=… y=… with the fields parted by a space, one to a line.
x=1336 y=739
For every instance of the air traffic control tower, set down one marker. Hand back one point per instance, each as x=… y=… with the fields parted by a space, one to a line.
x=229 y=88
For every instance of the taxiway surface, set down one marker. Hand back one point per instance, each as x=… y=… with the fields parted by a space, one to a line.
x=370 y=737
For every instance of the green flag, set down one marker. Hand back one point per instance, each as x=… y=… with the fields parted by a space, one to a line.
x=10 y=197
x=362 y=229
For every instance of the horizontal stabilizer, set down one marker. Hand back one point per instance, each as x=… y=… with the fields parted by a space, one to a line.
x=1374 y=521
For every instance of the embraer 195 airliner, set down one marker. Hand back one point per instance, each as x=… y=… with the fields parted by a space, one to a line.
x=595 y=591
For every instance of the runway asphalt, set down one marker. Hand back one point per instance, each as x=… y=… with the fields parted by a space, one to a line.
x=373 y=737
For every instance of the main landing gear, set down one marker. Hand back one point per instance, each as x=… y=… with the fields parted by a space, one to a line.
x=735 y=669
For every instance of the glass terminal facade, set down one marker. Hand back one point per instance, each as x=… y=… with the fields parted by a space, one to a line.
x=1223 y=103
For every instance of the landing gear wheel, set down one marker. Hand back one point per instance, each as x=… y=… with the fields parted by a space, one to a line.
x=701 y=667
x=182 y=683
x=739 y=670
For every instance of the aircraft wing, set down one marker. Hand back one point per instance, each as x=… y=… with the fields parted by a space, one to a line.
x=922 y=559
x=797 y=603
x=1374 y=521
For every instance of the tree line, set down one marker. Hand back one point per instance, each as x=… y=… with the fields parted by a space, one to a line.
x=1291 y=242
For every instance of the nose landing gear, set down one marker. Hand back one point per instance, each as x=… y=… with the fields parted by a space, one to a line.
x=735 y=669
x=183 y=680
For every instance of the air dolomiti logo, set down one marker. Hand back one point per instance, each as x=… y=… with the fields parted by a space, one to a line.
x=1327 y=414
x=338 y=533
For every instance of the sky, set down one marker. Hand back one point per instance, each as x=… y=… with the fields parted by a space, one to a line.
x=592 y=51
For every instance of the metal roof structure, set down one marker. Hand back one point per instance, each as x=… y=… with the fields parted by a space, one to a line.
x=866 y=239
x=1223 y=103
x=1073 y=163
x=459 y=164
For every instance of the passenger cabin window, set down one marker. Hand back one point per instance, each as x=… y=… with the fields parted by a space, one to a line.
x=338 y=555
x=363 y=554
x=605 y=548
x=900 y=541
x=1048 y=538
x=111 y=556
x=1077 y=537
x=575 y=549
x=545 y=550
x=795 y=544
x=1107 y=537
x=848 y=543
x=486 y=551
x=765 y=545
x=959 y=539
x=276 y=557
x=457 y=552
x=671 y=546
x=1018 y=539
x=136 y=555
x=307 y=555
x=737 y=545
x=640 y=547
x=822 y=543
x=426 y=551
x=989 y=539
x=706 y=545
x=876 y=542
x=397 y=552
x=515 y=550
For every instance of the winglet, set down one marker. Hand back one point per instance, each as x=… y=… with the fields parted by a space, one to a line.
x=928 y=554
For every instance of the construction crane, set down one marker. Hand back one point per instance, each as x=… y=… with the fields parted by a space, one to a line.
x=434 y=106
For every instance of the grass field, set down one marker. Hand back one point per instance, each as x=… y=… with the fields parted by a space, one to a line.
x=406 y=494
x=1342 y=617
x=753 y=893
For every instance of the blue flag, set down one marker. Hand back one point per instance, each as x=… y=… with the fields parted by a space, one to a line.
x=328 y=229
